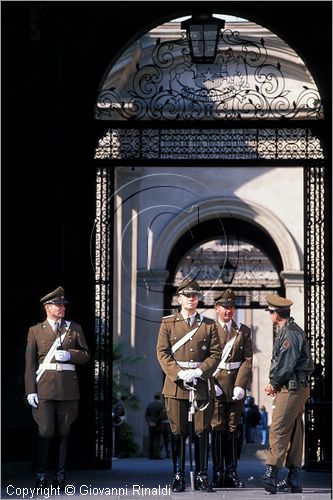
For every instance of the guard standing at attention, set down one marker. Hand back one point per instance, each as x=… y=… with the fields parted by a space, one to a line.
x=188 y=350
x=290 y=365
x=54 y=347
x=231 y=379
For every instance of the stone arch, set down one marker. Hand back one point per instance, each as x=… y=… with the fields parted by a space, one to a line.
x=228 y=207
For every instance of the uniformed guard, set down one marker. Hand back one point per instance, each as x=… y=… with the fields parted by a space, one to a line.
x=231 y=379
x=291 y=364
x=54 y=347
x=189 y=351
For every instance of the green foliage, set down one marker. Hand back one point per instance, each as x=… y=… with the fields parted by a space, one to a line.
x=122 y=380
x=121 y=392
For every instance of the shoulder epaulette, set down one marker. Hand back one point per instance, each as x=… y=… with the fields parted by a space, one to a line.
x=169 y=316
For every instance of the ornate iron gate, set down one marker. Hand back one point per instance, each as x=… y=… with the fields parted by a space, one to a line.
x=271 y=145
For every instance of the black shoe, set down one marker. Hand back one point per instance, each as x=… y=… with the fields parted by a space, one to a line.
x=178 y=484
x=268 y=480
x=231 y=480
x=291 y=483
x=218 y=479
x=59 y=479
x=202 y=484
x=283 y=486
x=41 y=479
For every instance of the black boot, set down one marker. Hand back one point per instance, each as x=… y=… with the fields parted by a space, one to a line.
x=218 y=458
x=201 y=480
x=41 y=479
x=269 y=479
x=59 y=479
x=42 y=455
x=230 y=477
x=291 y=483
x=178 y=458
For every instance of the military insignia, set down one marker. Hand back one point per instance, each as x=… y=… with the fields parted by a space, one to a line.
x=286 y=344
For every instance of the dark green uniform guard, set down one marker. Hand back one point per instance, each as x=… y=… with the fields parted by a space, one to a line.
x=54 y=347
x=291 y=364
x=193 y=362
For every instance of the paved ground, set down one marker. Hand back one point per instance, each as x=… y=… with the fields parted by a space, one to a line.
x=135 y=478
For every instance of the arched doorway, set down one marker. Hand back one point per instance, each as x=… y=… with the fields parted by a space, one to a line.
x=156 y=88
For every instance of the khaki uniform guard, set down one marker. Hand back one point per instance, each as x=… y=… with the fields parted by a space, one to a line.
x=193 y=363
x=291 y=364
x=231 y=381
x=54 y=348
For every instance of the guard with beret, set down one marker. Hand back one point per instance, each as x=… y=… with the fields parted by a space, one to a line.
x=188 y=350
x=291 y=364
x=231 y=379
x=54 y=348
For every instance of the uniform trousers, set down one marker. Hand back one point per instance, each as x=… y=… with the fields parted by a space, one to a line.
x=227 y=415
x=286 y=431
x=177 y=410
x=54 y=416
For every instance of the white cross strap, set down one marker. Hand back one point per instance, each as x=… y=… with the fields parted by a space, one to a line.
x=50 y=354
x=226 y=351
x=183 y=340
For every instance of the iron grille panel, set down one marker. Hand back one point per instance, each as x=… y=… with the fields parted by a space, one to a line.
x=103 y=336
x=208 y=144
x=317 y=414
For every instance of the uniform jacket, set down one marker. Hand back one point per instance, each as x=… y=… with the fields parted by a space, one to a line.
x=291 y=358
x=57 y=385
x=241 y=351
x=204 y=347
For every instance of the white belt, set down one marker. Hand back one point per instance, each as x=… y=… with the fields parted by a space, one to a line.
x=229 y=366
x=188 y=364
x=59 y=367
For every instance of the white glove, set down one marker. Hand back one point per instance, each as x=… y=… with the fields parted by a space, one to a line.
x=33 y=399
x=239 y=393
x=62 y=356
x=189 y=375
x=218 y=390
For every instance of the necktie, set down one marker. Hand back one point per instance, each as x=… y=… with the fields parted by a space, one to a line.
x=57 y=331
x=188 y=322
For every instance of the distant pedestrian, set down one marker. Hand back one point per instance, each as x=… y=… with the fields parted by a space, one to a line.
x=263 y=425
x=154 y=419
x=119 y=416
x=252 y=419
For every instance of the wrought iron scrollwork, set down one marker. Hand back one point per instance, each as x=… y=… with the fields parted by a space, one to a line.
x=244 y=83
x=216 y=144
